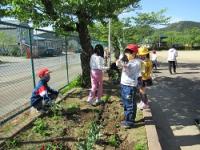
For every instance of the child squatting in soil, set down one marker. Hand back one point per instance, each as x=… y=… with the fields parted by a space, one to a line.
x=96 y=75
x=42 y=94
x=131 y=71
x=146 y=80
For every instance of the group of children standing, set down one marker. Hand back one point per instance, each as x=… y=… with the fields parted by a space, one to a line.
x=136 y=75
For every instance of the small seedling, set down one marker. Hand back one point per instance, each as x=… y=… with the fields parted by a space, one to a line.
x=54 y=147
x=93 y=136
x=12 y=143
x=140 y=146
x=56 y=109
x=114 y=140
x=40 y=127
x=105 y=98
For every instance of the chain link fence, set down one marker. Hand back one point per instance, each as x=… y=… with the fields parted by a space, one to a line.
x=23 y=51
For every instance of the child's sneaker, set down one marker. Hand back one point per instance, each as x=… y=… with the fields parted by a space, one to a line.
x=145 y=106
x=43 y=111
x=140 y=105
x=90 y=101
x=126 y=126
x=97 y=102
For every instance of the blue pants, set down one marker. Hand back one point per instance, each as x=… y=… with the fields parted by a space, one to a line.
x=129 y=103
x=41 y=103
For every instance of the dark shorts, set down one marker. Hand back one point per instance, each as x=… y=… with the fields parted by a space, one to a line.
x=144 y=83
x=147 y=82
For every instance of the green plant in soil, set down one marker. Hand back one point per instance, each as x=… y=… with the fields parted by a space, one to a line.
x=105 y=98
x=12 y=143
x=52 y=146
x=56 y=110
x=41 y=127
x=140 y=146
x=72 y=108
x=93 y=136
x=114 y=140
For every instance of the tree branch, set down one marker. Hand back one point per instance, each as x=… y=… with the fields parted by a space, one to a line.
x=49 y=10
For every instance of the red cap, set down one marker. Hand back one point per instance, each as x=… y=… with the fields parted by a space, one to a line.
x=42 y=72
x=132 y=47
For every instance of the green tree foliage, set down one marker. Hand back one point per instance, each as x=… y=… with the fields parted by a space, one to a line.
x=184 y=34
x=100 y=31
x=144 y=24
x=129 y=30
x=69 y=15
x=187 y=38
x=152 y=18
x=192 y=36
x=7 y=39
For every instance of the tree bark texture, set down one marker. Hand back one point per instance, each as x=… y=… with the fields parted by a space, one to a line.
x=86 y=52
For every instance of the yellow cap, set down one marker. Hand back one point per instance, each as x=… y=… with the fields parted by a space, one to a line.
x=143 y=51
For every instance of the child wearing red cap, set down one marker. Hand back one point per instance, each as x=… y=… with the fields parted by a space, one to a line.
x=131 y=71
x=42 y=94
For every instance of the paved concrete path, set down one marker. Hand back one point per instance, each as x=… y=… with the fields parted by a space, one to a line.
x=175 y=103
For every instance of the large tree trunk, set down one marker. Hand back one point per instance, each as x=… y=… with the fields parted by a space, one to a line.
x=116 y=47
x=86 y=51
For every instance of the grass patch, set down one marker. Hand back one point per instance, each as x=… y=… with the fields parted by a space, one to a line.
x=72 y=108
x=140 y=146
x=75 y=83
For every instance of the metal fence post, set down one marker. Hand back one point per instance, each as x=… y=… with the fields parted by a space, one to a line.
x=66 y=57
x=32 y=62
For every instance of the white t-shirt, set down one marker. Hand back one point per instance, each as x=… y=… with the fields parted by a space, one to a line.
x=153 y=57
x=96 y=62
x=172 y=54
x=130 y=72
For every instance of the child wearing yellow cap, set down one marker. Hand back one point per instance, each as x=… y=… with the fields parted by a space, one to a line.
x=146 y=79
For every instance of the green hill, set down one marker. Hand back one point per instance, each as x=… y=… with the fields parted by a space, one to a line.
x=181 y=26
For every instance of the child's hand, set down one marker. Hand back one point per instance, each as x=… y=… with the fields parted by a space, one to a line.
x=121 y=56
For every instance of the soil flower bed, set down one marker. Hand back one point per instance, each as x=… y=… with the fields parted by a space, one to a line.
x=74 y=124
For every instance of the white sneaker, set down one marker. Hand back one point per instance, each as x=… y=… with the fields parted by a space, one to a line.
x=142 y=105
x=145 y=106
x=139 y=105
x=90 y=101
x=98 y=100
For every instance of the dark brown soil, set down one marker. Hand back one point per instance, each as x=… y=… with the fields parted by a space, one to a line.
x=64 y=131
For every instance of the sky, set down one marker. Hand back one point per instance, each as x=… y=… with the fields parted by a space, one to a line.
x=178 y=10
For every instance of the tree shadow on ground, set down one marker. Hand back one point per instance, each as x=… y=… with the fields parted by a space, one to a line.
x=175 y=105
